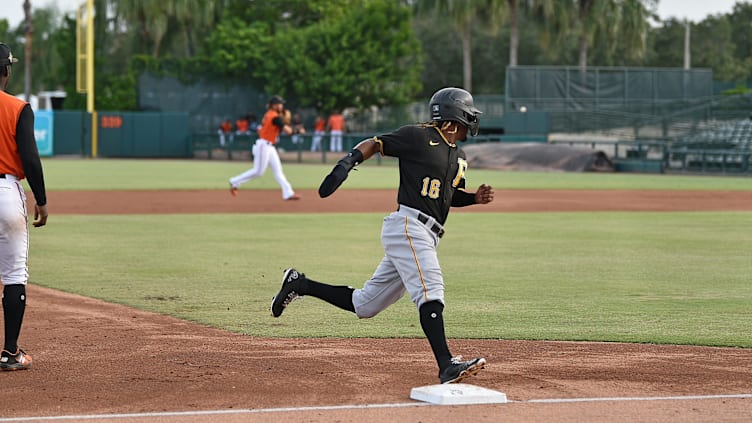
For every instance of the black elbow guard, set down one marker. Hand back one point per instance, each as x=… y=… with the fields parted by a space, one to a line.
x=352 y=159
x=339 y=173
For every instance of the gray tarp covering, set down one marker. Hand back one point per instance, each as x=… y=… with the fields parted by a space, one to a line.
x=567 y=88
x=536 y=157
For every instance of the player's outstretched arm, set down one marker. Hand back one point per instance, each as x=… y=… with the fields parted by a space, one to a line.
x=362 y=152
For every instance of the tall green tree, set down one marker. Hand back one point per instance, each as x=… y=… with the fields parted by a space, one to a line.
x=556 y=20
x=612 y=22
x=236 y=46
x=9 y=37
x=175 y=27
x=45 y=62
x=740 y=20
x=64 y=43
x=666 y=45
x=4 y=29
x=713 y=46
x=441 y=53
x=462 y=14
x=280 y=14
x=346 y=62
x=613 y=25
x=194 y=18
x=150 y=20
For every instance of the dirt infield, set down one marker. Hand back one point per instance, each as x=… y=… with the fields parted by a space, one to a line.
x=95 y=358
x=269 y=201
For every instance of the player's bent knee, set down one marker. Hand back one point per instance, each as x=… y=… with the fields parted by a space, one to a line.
x=366 y=312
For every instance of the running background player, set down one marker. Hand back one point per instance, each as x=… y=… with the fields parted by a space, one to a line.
x=265 y=150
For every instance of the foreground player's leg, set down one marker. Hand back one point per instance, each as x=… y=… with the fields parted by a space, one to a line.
x=451 y=370
x=295 y=284
x=432 y=322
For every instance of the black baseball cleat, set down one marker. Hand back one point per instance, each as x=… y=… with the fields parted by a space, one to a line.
x=459 y=370
x=287 y=293
x=18 y=361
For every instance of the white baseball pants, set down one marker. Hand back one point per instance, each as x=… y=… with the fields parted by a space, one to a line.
x=265 y=155
x=14 y=232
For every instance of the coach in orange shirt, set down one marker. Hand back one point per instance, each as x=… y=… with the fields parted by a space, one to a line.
x=336 y=126
x=19 y=159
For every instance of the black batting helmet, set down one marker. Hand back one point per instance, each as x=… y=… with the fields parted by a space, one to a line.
x=455 y=104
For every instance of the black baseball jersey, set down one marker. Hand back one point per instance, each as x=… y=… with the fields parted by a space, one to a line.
x=431 y=168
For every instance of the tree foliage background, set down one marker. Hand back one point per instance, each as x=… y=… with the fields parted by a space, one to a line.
x=334 y=54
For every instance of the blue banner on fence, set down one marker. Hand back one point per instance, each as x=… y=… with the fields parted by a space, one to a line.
x=43 y=121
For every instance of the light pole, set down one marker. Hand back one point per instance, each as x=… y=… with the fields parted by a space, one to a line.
x=687 y=60
x=28 y=29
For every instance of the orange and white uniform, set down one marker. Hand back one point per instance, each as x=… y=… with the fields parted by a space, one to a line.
x=265 y=154
x=269 y=130
x=19 y=158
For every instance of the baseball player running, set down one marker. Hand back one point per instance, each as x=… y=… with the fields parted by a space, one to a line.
x=265 y=153
x=432 y=179
x=19 y=159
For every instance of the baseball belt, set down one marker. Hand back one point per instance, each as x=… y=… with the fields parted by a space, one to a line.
x=435 y=228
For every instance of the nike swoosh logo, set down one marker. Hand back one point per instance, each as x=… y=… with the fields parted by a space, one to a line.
x=432 y=143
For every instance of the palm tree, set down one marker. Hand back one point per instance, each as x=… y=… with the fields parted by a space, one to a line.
x=462 y=14
x=499 y=12
x=194 y=18
x=612 y=22
x=151 y=18
x=555 y=19
x=159 y=21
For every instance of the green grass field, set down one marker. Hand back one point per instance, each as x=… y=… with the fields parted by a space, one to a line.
x=83 y=174
x=639 y=277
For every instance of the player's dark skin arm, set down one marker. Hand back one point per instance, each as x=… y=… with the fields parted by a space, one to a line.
x=484 y=195
x=27 y=150
x=368 y=147
x=362 y=152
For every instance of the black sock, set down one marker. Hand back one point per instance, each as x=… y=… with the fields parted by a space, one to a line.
x=14 y=304
x=432 y=321
x=339 y=296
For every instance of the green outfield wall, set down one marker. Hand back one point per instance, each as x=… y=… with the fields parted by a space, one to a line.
x=123 y=134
